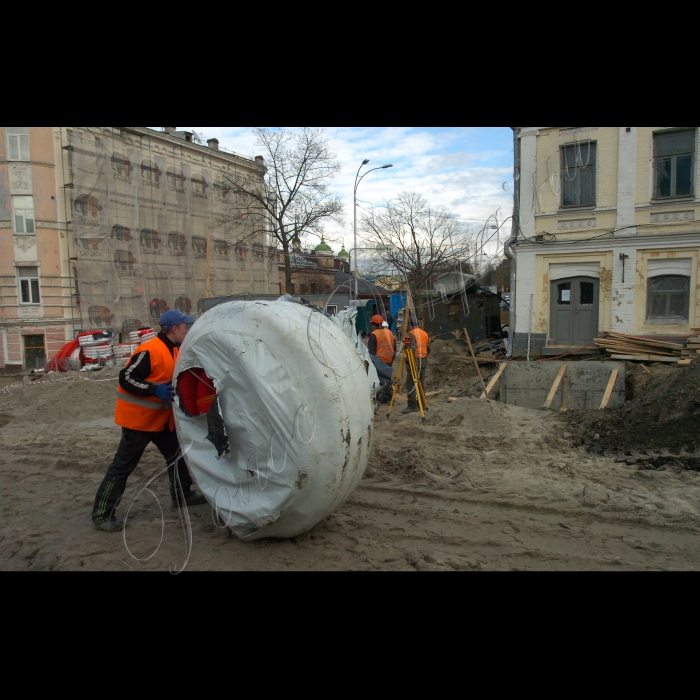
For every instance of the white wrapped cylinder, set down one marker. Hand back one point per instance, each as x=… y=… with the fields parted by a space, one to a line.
x=298 y=414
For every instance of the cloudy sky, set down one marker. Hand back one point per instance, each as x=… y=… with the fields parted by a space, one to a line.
x=466 y=170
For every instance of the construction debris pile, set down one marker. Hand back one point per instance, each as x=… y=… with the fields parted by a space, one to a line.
x=665 y=418
x=638 y=349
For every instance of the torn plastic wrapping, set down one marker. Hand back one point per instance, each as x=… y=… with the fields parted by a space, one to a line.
x=296 y=410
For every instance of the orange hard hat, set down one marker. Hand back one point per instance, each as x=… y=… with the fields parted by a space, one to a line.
x=378 y=320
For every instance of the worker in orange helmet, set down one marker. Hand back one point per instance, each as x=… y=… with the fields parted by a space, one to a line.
x=421 y=349
x=382 y=345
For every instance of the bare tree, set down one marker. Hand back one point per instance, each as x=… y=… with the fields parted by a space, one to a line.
x=415 y=239
x=297 y=199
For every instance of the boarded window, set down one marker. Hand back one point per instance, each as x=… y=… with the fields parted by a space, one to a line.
x=674 y=161
x=578 y=169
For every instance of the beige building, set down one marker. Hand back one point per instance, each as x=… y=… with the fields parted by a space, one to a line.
x=109 y=226
x=608 y=234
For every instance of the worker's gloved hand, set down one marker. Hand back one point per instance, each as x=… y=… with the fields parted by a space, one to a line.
x=165 y=393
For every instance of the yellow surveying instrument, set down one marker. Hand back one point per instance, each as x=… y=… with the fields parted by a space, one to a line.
x=409 y=358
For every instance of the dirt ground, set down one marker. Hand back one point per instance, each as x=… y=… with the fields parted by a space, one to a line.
x=478 y=486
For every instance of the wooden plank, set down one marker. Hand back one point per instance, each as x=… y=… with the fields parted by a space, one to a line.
x=476 y=364
x=644 y=358
x=555 y=386
x=683 y=363
x=609 y=389
x=495 y=380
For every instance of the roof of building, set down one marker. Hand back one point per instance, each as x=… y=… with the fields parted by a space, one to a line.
x=345 y=283
x=323 y=247
x=343 y=253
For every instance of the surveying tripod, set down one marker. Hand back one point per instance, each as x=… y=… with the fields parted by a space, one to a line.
x=409 y=357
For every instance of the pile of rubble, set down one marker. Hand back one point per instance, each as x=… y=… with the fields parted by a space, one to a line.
x=661 y=422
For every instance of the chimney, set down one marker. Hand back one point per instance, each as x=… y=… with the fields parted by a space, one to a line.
x=213 y=144
x=259 y=160
x=170 y=129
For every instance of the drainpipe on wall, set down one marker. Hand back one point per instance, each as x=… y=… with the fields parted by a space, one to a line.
x=509 y=253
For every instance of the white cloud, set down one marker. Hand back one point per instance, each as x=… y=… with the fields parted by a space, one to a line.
x=462 y=169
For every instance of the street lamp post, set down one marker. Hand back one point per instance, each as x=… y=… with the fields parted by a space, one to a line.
x=358 y=180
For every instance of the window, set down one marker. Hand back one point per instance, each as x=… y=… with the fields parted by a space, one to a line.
x=183 y=304
x=18 y=142
x=199 y=184
x=124 y=260
x=578 y=170
x=150 y=238
x=121 y=165
x=175 y=178
x=34 y=352
x=668 y=299
x=29 y=285
x=121 y=233
x=150 y=171
x=674 y=159
x=24 y=214
x=177 y=241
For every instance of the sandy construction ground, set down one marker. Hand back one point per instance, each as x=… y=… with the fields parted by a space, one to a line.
x=478 y=486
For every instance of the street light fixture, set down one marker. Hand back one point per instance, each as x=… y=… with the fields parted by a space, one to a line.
x=358 y=180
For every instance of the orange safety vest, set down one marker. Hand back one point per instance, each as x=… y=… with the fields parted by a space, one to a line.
x=386 y=345
x=422 y=340
x=149 y=414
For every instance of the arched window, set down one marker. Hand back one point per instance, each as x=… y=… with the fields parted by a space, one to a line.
x=183 y=304
x=100 y=316
x=199 y=244
x=87 y=204
x=221 y=247
x=241 y=249
x=668 y=299
x=123 y=260
x=199 y=184
x=121 y=233
x=121 y=165
x=150 y=171
x=176 y=178
x=158 y=307
x=150 y=238
x=177 y=240
x=258 y=250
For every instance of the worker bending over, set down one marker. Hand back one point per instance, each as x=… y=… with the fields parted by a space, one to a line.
x=421 y=349
x=144 y=412
x=382 y=345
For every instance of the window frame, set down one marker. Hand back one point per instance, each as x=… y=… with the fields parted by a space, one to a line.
x=21 y=211
x=33 y=284
x=667 y=320
x=565 y=166
x=21 y=145
x=674 y=174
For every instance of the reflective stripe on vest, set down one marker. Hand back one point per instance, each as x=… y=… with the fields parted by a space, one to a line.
x=386 y=345
x=146 y=414
x=421 y=343
x=129 y=398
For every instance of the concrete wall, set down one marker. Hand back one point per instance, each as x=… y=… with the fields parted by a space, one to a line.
x=528 y=384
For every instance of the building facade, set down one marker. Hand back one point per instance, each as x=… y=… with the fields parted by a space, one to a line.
x=107 y=227
x=607 y=235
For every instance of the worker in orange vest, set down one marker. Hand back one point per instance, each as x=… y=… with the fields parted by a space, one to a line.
x=144 y=412
x=382 y=345
x=421 y=349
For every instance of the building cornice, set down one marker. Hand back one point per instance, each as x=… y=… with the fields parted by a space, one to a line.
x=640 y=241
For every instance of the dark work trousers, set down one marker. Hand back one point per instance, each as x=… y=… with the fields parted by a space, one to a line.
x=131 y=448
x=422 y=363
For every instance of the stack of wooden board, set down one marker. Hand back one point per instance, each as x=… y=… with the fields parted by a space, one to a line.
x=635 y=348
x=692 y=346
